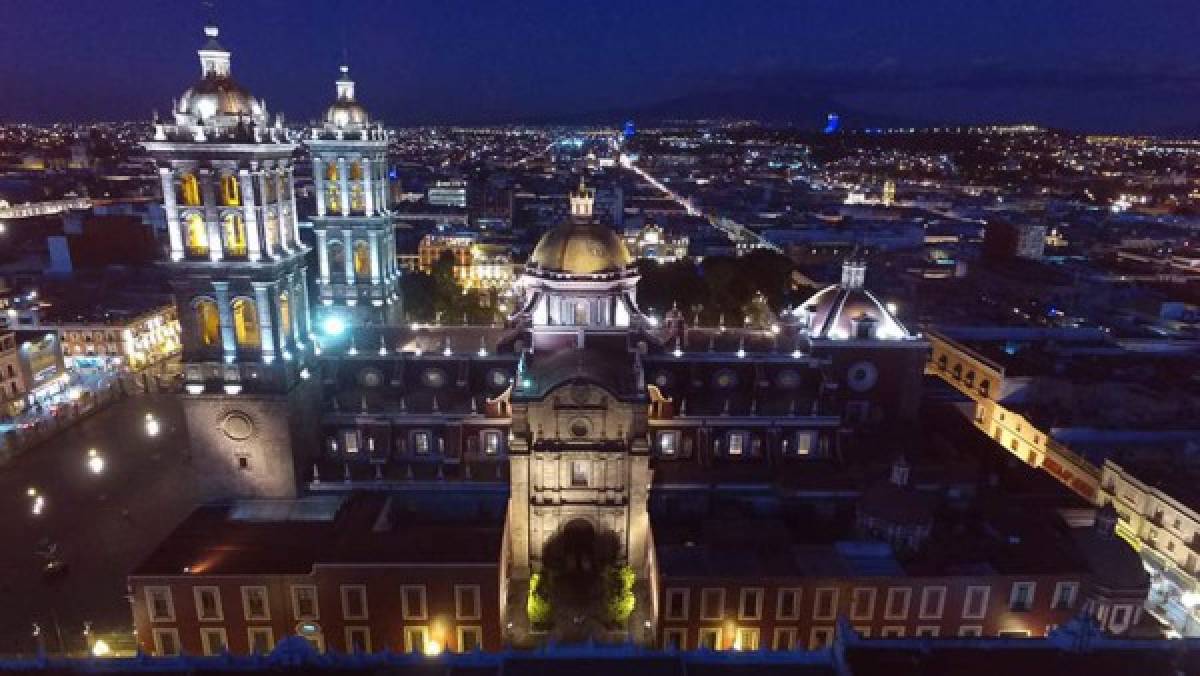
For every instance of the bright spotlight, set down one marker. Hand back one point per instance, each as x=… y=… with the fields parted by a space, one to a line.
x=333 y=326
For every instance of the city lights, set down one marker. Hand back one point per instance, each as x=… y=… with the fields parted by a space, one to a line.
x=152 y=425
x=333 y=326
x=95 y=461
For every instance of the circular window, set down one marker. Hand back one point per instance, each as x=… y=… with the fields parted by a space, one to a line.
x=725 y=379
x=580 y=427
x=662 y=378
x=787 y=379
x=862 y=376
x=498 y=378
x=370 y=377
x=433 y=377
x=237 y=426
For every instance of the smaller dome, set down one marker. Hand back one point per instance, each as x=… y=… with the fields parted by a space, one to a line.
x=344 y=114
x=847 y=310
x=581 y=249
x=219 y=95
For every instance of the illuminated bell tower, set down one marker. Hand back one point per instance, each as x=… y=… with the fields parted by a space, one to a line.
x=356 y=243
x=237 y=268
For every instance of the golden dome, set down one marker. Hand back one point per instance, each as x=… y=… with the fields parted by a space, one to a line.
x=344 y=114
x=217 y=95
x=581 y=249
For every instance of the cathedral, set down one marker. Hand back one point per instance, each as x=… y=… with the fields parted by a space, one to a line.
x=359 y=459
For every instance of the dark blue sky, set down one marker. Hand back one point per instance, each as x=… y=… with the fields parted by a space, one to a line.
x=1085 y=64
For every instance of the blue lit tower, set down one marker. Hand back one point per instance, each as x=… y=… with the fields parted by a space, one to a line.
x=355 y=237
x=237 y=268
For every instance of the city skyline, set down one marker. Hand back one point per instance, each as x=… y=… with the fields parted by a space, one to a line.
x=1083 y=66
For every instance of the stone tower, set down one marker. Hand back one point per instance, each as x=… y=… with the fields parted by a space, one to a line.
x=237 y=268
x=355 y=238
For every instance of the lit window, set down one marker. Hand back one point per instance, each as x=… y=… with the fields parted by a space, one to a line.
x=709 y=639
x=245 y=323
x=491 y=442
x=421 y=443
x=189 y=190
x=668 y=443
x=231 y=191
x=579 y=473
x=737 y=442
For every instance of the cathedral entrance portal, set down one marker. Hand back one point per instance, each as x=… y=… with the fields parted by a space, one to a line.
x=577 y=564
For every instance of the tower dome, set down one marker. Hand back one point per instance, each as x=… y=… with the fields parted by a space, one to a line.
x=217 y=98
x=581 y=246
x=345 y=111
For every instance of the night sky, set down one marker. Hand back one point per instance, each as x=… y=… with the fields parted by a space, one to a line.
x=1119 y=65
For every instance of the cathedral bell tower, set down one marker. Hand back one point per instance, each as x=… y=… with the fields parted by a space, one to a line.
x=355 y=238
x=237 y=268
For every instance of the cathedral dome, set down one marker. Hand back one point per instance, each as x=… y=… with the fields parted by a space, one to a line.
x=219 y=95
x=345 y=111
x=581 y=249
x=847 y=310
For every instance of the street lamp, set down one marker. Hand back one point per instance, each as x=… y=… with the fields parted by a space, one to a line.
x=152 y=426
x=95 y=461
x=37 y=501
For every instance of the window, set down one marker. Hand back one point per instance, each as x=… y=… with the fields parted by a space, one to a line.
x=784 y=638
x=245 y=323
x=928 y=631
x=260 y=639
x=896 y=607
x=1014 y=633
x=712 y=604
x=1064 y=595
x=787 y=606
x=311 y=632
x=271 y=229
x=304 y=602
x=233 y=229
x=470 y=639
x=350 y=440
x=825 y=604
x=804 y=443
x=354 y=602
x=674 y=639
x=737 y=443
x=466 y=602
x=750 y=604
x=668 y=443
x=862 y=604
x=1021 y=598
x=358 y=640
x=709 y=639
x=208 y=603
x=892 y=631
x=413 y=601
x=159 y=604
x=285 y=314
x=579 y=473
x=491 y=442
x=254 y=603
x=975 y=603
x=231 y=191
x=677 y=604
x=166 y=642
x=746 y=638
x=863 y=631
x=195 y=236
x=208 y=321
x=362 y=260
x=970 y=631
x=415 y=639
x=189 y=190
x=820 y=637
x=933 y=599
x=421 y=443
x=213 y=641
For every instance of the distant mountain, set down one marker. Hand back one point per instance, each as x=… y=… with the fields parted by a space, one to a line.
x=777 y=106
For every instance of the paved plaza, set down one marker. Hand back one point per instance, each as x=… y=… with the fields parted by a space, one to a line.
x=102 y=523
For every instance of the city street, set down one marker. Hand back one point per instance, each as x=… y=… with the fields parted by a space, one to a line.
x=104 y=511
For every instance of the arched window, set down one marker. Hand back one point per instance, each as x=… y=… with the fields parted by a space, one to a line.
x=272 y=228
x=195 y=234
x=189 y=190
x=208 y=321
x=231 y=191
x=358 y=198
x=233 y=229
x=270 y=189
x=245 y=323
x=331 y=172
x=285 y=313
x=362 y=260
x=356 y=171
